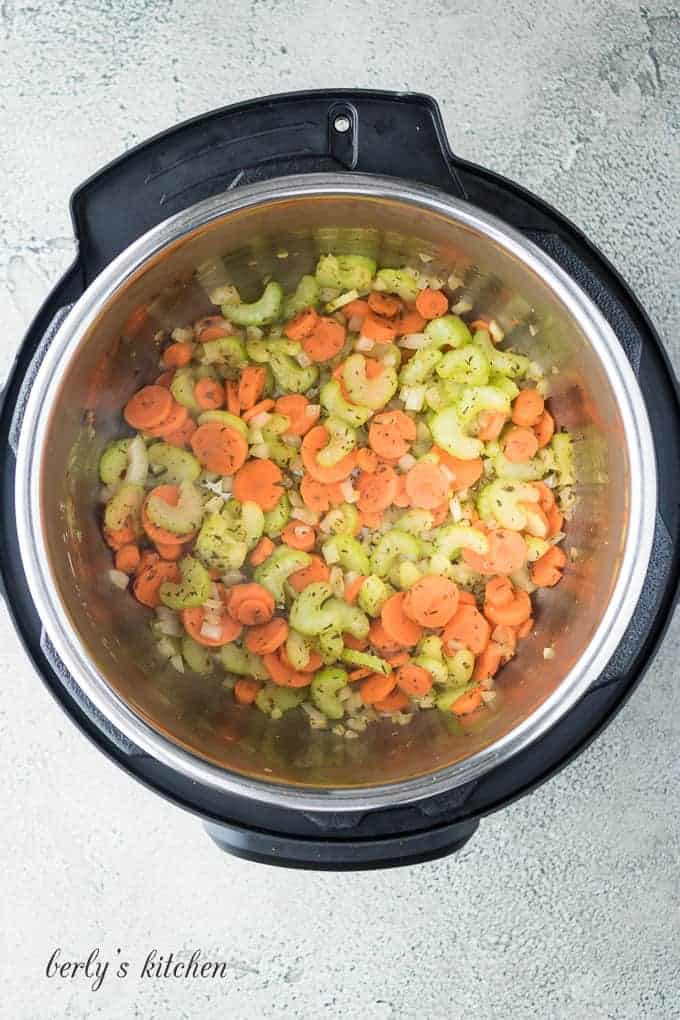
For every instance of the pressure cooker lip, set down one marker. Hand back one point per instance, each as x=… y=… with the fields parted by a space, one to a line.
x=633 y=564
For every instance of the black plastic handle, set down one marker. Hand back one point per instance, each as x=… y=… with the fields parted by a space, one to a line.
x=342 y=855
x=399 y=134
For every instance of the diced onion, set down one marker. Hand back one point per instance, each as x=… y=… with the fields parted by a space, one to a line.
x=168 y=623
x=303 y=359
x=260 y=420
x=461 y=307
x=232 y=577
x=456 y=509
x=296 y=466
x=354 y=323
x=448 y=473
x=118 y=578
x=412 y=341
x=336 y=579
x=549 y=652
x=413 y=397
x=178 y=662
x=213 y=603
x=291 y=440
x=364 y=343
x=304 y=514
x=495 y=331
x=313 y=410
x=533 y=329
x=254 y=332
x=331 y=553
x=406 y=462
x=328 y=522
x=425 y=258
x=226 y=294
x=212 y=618
x=260 y=450
x=295 y=498
x=454 y=282
x=488 y=697
x=348 y=492
x=211 y=631
x=351 y=576
x=544 y=388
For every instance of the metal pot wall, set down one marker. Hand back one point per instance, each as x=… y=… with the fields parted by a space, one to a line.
x=93 y=365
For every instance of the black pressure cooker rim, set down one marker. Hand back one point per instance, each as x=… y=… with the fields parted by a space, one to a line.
x=397 y=836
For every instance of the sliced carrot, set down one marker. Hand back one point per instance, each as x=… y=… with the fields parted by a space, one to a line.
x=231 y=395
x=209 y=394
x=527 y=408
x=397 y=659
x=146 y=586
x=410 y=321
x=373 y=368
x=490 y=425
x=358 y=644
x=164 y=379
x=212 y=327
x=488 y=662
x=170 y=552
x=356 y=309
x=391 y=433
x=283 y=675
x=546 y=496
x=400 y=627
x=381 y=640
x=469 y=628
x=262 y=407
x=520 y=445
x=325 y=341
x=466 y=598
x=479 y=323
x=376 y=489
x=440 y=514
x=507 y=553
x=127 y=558
x=353 y=588
x=315 y=440
x=246 y=690
x=267 y=637
x=319 y=496
x=396 y=701
x=177 y=355
x=250 y=604
x=193 y=619
x=377 y=687
x=467 y=703
x=499 y=591
x=431 y=601
x=359 y=674
x=251 y=384
x=295 y=407
x=147 y=558
x=148 y=407
x=525 y=629
x=401 y=498
x=372 y=518
x=387 y=305
x=175 y=421
x=432 y=303
x=367 y=460
x=123 y=536
x=511 y=614
x=426 y=485
x=302 y=325
x=547 y=571
x=414 y=680
x=219 y=448
x=506 y=639
x=555 y=521
x=264 y=548
x=544 y=429
x=299 y=535
x=181 y=436
x=377 y=328
x=317 y=570
x=169 y=494
x=465 y=472
x=313 y=662
x=258 y=481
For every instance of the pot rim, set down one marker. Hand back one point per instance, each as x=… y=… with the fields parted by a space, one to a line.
x=634 y=560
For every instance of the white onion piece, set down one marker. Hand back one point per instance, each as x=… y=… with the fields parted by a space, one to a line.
x=364 y=343
x=211 y=631
x=260 y=450
x=118 y=578
x=406 y=462
x=303 y=360
x=260 y=420
x=178 y=662
x=412 y=341
x=302 y=513
x=232 y=577
x=456 y=509
x=348 y=492
x=313 y=410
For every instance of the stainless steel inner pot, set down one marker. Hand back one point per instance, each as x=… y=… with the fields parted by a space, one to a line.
x=97 y=360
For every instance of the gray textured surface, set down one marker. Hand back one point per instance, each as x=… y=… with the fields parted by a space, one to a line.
x=565 y=906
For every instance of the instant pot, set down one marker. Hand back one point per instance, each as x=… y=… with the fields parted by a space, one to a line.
x=262 y=189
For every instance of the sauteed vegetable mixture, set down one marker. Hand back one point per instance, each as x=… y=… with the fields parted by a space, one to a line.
x=341 y=498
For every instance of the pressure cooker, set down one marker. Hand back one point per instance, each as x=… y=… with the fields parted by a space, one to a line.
x=265 y=187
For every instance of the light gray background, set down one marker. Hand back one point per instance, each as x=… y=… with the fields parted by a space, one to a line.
x=564 y=906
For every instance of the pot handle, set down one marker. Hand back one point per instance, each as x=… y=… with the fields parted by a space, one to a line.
x=396 y=133
x=341 y=855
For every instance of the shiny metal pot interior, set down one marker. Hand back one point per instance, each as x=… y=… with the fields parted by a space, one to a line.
x=93 y=366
